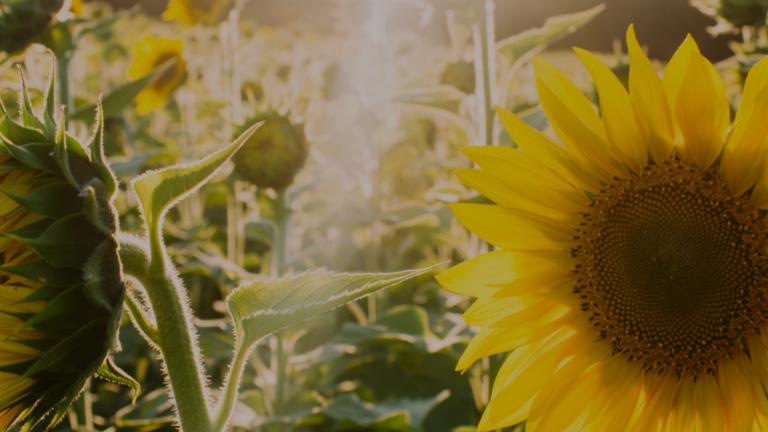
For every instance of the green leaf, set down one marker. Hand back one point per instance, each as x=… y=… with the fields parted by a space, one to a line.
x=119 y=98
x=159 y=190
x=531 y=41
x=111 y=372
x=266 y=306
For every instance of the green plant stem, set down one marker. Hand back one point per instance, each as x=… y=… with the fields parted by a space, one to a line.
x=485 y=70
x=231 y=389
x=64 y=82
x=175 y=337
x=177 y=340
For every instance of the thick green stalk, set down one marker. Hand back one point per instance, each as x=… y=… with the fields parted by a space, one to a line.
x=178 y=341
x=176 y=338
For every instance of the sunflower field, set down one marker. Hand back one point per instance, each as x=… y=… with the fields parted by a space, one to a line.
x=383 y=215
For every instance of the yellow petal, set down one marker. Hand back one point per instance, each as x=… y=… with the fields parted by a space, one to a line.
x=737 y=394
x=674 y=74
x=500 y=192
x=708 y=405
x=702 y=112
x=756 y=82
x=574 y=119
x=496 y=271
x=566 y=410
x=627 y=139
x=521 y=376
x=510 y=229
x=526 y=176
x=514 y=311
x=649 y=100
x=489 y=341
x=744 y=154
x=540 y=148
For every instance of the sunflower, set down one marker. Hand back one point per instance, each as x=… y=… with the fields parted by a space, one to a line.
x=152 y=52
x=630 y=279
x=191 y=12
x=60 y=285
x=24 y=21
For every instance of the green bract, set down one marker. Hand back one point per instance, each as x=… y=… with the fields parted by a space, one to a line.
x=61 y=288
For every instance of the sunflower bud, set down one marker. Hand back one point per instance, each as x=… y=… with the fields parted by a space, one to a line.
x=61 y=290
x=274 y=154
x=191 y=12
x=459 y=74
x=21 y=21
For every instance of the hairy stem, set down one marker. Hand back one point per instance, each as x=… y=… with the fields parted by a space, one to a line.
x=176 y=338
x=231 y=389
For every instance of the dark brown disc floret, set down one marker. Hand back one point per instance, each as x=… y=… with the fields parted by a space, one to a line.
x=671 y=269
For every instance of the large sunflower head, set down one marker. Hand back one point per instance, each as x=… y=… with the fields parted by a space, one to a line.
x=274 y=154
x=22 y=21
x=152 y=52
x=630 y=280
x=191 y=12
x=60 y=285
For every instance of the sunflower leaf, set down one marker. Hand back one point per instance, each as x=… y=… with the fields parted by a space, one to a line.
x=266 y=306
x=159 y=190
x=531 y=41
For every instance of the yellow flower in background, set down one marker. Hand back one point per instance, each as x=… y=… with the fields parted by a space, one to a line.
x=630 y=281
x=191 y=12
x=76 y=7
x=150 y=53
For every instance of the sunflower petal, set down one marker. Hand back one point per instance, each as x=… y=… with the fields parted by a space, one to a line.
x=500 y=192
x=509 y=229
x=702 y=112
x=521 y=376
x=649 y=100
x=674 y=74
x=575 y=120
x=744 y=153
x=538 y=147
x=628 y=141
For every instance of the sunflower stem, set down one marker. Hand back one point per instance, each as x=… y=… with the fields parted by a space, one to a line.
x=174 y=334
x=177 y=339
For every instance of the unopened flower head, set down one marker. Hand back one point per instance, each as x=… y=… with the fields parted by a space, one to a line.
x=61 y=291
x=274 y=154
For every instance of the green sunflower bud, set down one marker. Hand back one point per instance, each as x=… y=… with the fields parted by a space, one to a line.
x=274 y=154
x=459 y=74
x=61 y=290
x=21 y=21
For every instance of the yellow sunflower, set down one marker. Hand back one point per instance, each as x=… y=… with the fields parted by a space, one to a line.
x=152 y=52
x=630 y=281
x=191 y=12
